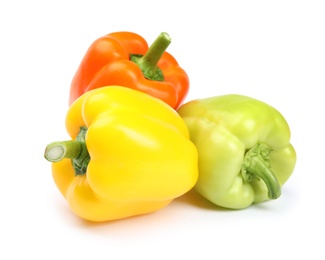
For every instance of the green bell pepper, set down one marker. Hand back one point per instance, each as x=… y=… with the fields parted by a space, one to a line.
x=245 y=154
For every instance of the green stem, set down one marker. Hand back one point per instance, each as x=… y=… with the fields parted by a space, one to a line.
x=56 y=151
x=72 y=149
x=256 y=166
x=148 y=62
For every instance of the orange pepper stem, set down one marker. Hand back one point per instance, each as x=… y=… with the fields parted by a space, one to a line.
x=148 y=62
x=72 y=149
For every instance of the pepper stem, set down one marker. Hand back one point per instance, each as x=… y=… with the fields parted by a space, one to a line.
x=148 y=62
x=72 y=149
x=56 y=151
x=256 y=166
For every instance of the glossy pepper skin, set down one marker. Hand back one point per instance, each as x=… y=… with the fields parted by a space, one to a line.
x=129 y=154
x=245 y=154
x=124 y=58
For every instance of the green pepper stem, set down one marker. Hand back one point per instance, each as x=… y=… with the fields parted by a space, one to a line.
x=72 y=149
x=256 y=166
x=148 y=62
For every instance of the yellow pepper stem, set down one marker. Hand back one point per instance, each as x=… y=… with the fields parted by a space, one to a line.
x=256 y=166
x=56 y=151
x=72 y=149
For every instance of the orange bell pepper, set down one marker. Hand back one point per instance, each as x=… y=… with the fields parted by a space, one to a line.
x=124 y=58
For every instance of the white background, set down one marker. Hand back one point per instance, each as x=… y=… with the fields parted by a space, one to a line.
x=270 y=50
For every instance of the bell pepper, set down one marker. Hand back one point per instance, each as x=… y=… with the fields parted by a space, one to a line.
x=245 y=154
x=123 y=58
x=129 y=154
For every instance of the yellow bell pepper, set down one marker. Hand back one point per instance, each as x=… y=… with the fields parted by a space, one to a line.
x=129 y=154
